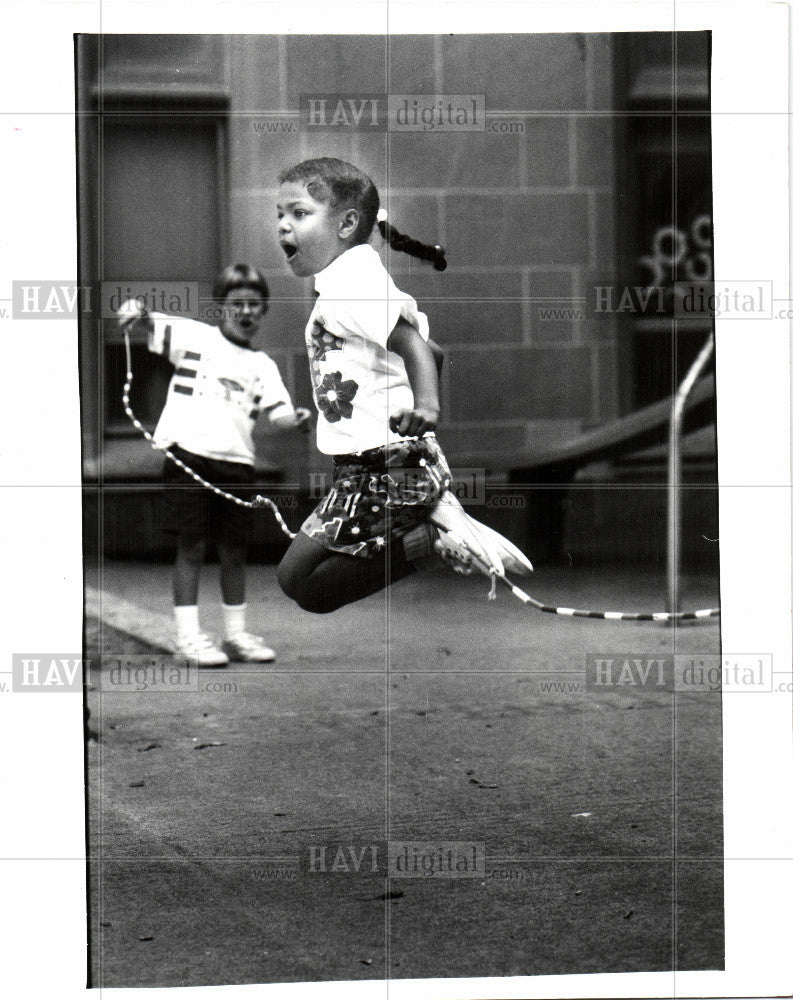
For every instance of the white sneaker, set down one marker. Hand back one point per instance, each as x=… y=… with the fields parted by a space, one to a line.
x=465 y=541
x=453 y=552
x=200 y=651
x=514 y=560
x=247 y=648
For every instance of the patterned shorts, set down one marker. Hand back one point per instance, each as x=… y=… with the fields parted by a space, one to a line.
x=379 y=495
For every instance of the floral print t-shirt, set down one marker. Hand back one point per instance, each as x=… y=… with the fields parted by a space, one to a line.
x=358 y=383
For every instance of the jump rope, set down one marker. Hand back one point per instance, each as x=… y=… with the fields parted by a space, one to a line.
x=261 y=501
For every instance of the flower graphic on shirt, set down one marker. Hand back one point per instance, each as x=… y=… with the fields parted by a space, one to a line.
x=324 y=341
x=334 y=397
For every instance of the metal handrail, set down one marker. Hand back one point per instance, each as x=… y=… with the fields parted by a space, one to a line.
x=673 y=521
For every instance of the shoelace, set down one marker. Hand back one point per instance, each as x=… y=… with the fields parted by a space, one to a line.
x=199 y=643
x=245 y=640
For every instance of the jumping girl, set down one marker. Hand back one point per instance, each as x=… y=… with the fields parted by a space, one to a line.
x=375 y=377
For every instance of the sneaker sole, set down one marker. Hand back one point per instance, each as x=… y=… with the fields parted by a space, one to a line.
x=191 y=662
x=234 y=658
x=514 y=560
x=455 y=523
x=462 y=559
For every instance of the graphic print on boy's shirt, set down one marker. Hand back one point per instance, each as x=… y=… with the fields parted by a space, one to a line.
x=217 y=390
x=238 y=387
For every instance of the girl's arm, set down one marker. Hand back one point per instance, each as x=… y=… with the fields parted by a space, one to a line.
x=420 y=365
x=437 y=353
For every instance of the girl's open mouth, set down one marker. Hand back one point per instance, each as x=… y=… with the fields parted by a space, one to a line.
x=289 y=250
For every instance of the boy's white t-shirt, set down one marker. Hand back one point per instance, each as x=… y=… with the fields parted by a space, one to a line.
x=358 y=383
x=217 y=391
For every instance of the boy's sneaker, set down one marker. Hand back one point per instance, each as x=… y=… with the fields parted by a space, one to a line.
x=247 y=648
x=200 y=651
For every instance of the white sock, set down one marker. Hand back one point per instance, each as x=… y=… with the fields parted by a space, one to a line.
x=186 y=620
x=234 y=618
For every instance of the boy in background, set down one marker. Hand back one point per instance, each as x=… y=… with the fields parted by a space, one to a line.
x=218 y=389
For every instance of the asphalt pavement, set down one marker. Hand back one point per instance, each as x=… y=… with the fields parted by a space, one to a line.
x=240 y=819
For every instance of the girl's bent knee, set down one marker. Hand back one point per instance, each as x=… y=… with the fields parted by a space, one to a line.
x=317 y=604
x=304 y=595
x=287 y=581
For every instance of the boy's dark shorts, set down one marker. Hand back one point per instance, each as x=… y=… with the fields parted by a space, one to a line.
x=194 y=513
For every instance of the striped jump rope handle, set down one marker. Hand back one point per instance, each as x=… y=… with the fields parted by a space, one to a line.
x=257 y=503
